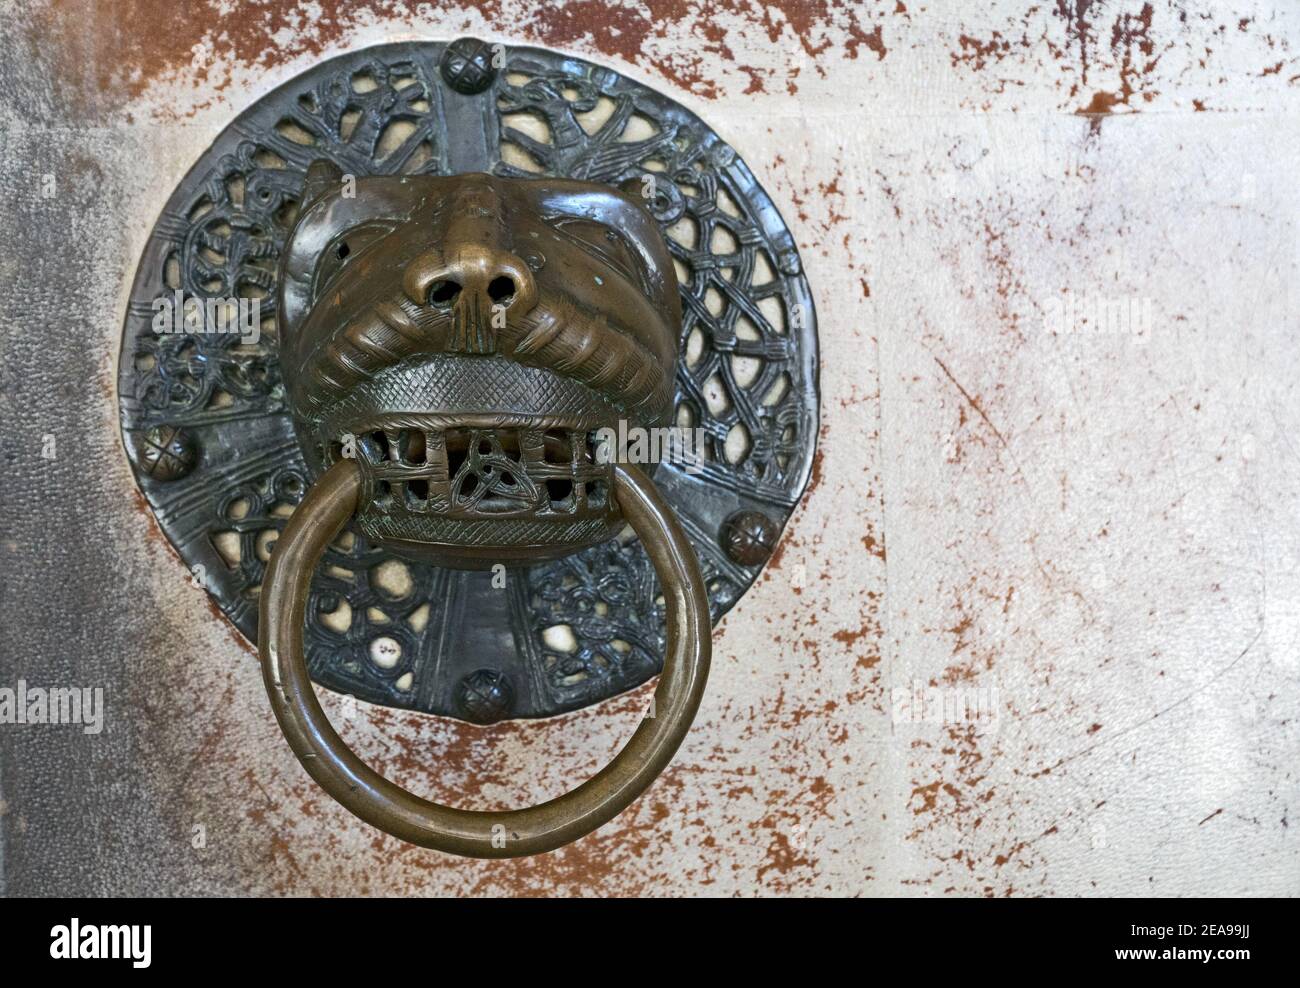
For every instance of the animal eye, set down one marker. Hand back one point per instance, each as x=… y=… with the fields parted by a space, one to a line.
x=345 y=248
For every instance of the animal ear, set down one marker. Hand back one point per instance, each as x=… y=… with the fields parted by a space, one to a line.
x=323 y=177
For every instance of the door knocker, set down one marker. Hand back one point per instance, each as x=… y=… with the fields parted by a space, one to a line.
x=429 y=313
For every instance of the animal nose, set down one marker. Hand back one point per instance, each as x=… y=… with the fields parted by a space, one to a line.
x=481 y=286
x=487 y=276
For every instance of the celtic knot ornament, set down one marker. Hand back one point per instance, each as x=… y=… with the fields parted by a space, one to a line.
x=488 y=474
x=206 y=420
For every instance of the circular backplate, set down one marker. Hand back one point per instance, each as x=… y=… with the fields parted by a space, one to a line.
x=205 y=424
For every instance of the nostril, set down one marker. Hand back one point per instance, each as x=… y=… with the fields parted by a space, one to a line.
x=501 y=290
x=443 y=292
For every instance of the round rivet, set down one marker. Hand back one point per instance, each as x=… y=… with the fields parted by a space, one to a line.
x=168 y=452
x=723 y=155
x=748 y=537
x=789 y=262
x=467 y=66
x=485 y=696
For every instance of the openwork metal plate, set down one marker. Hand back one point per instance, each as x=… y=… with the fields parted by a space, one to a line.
x=204 y=417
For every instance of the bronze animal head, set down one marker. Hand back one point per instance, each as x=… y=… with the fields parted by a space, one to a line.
x=464 y=337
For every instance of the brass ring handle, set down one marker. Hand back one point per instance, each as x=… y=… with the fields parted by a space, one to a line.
x=513 y=833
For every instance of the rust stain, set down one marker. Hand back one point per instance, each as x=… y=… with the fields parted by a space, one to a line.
x=973 y=401
x=976 y=54
x=874 y=546
x=1106 y=57
x=110 y=55
x=1079 y=32
x=155 y=537
x=236 y=638
x=849 y=637
x=1132 y=45
x=153 y=533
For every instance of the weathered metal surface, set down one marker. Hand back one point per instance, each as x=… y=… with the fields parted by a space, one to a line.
x=735 y=358
x=522 y=830
x=1100 y=525
x=470 y=386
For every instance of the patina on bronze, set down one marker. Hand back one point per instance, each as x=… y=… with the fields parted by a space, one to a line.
x=207 y=423
x=449 y=346
x=512 y=833
x=464 y=338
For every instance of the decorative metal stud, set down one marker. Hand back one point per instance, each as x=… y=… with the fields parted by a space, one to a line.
x=748 y=537
x=467 y=66
x=485 y=696
x=167 y=453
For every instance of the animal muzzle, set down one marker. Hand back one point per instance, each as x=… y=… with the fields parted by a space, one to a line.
x=463 y=345
x=479 y=280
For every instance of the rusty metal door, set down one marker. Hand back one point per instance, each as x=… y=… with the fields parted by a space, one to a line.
x=1034 y=627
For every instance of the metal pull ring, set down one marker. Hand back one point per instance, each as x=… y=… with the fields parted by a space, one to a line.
x=513 y=833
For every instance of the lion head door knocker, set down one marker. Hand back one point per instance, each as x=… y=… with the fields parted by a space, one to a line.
x=489 y=307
